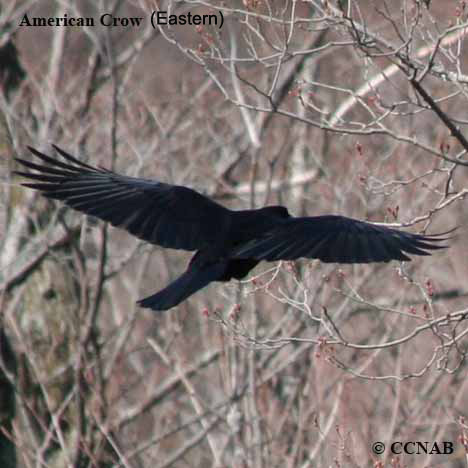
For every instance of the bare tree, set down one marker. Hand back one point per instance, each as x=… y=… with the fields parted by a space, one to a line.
x=347 y=107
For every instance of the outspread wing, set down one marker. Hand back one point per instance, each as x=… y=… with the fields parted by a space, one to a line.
x=336 y=239
x=167 y=215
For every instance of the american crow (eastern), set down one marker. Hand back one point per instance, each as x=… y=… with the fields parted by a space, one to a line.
x=228 y=243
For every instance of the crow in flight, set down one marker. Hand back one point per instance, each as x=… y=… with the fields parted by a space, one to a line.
x=228 y=243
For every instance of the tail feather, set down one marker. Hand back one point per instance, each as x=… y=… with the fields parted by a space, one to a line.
x=183 y=287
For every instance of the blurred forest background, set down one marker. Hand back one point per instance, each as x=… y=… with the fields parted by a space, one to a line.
x=346 y=107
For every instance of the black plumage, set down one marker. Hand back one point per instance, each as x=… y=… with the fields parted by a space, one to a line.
x=228 y=243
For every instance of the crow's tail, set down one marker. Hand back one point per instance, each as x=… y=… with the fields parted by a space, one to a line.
x=184 y=286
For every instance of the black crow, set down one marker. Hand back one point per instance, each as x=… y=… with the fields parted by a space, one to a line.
x=228 y=243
